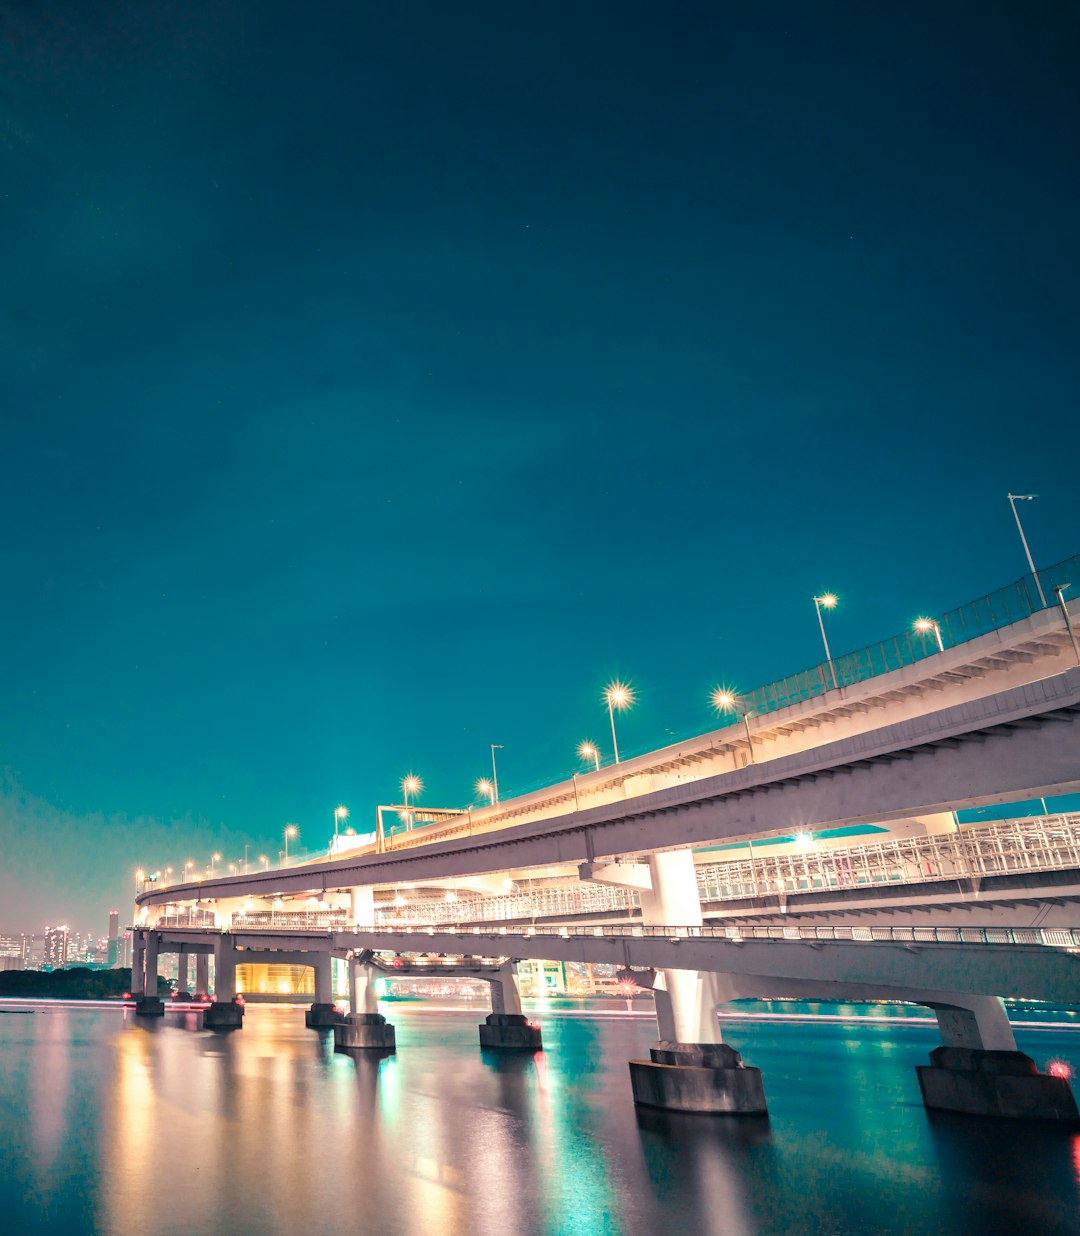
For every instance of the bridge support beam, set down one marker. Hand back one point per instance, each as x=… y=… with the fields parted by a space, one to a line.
x=978 y=1071
x=322 y=1014
x=138 y=964
x=690 y=1069
x=148 y=1004
x=506 y=1027
x=224 y=1012
x=365 y=1028
x=202 y=976
x=183 y=989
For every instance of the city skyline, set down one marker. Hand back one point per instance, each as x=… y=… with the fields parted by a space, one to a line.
x=372 y=422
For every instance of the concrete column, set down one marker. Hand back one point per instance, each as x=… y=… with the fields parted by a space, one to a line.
x=150 y=989
x=505 y=993
x=138 y=963
x=324 y=992
x=365 y=1028
x=182 y=974
x=362 y=997
x=224 y=969
x=202 y=974
x=983 y=1025
x=363 y=906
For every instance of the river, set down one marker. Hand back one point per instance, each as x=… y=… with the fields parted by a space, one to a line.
x=121 y=1127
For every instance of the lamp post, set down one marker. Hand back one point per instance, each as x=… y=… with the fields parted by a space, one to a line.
x=723 y=701
x=214 y=858
x=618 y=695
x=1013 y=500
x=410 y=784
x=340 y=813
x=140 y=875
x=590 y=751
x=247 y=846
x=265 y=860
x=484 y=786
x=495 y=746
x=290 y=831
x=188 y=866
x=922 y=625
x=1059 y=591
x=827 y=600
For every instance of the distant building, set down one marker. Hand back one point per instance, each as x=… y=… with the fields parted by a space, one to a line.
x=114 y=939
x=10 y=946
x=56 y=947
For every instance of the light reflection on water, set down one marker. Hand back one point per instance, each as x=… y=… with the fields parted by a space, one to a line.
x=115 y=1126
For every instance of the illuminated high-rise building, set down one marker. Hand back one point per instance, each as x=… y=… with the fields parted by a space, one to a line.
x=114 y=936
x=56 y=947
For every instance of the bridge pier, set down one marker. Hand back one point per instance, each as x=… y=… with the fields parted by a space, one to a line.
x=322 y=1014
x=148 y=1003
x=506 y=1027
x=202 y=976
x=364 y=1029
x=183 y=990
x=979 y=1072
x=224 y=1012
x=690 y=1068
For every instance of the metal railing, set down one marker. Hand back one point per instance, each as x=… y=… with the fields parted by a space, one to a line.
x=979 y=617
x=302 y=920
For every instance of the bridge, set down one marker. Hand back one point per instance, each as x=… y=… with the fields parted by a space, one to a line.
x=809 y=849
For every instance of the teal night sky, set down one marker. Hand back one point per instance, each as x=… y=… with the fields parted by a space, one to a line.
x=378 y=380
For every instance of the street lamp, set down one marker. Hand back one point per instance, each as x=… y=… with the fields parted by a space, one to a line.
x=232 y=869
x=495 y=746
x=188 y=866
x=410 y=784
x=484 y=786
x=265 y=862
x=723 y=701
x=340 y=813
x=290 y=831
x=1013 y=500
x=214 y=858
x=590 y=751
x=922 y=625
x=827 y=600
x=140 y=875
x=1059 y=591
x=618 y=695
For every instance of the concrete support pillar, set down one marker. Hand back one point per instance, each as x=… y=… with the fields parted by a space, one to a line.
x=138 y=963
x=507 y=1026
x=202 y=974
x=363 y=906
x=225 y=1013
x=322 y=1013
x=690 y=1068
x=183 y=991
x=365 y=1028
x=148 y=1004
x=979 y=1072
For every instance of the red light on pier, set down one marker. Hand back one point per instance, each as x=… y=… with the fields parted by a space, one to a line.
x=1059 y=1068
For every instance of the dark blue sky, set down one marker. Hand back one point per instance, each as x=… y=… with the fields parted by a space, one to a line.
x=378 y=380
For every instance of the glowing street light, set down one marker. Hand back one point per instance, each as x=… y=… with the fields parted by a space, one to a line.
x=410 y=784
x=725 y=700
x=214 y=858
x=827 y=600
x=484 y=786
x=264 y=859
x=188 y=866
x=1013 y=500
x=140 y=875
x=590 y=751
x=922 y=625
x=340 y=813
x=618 y=695
x=290 y=831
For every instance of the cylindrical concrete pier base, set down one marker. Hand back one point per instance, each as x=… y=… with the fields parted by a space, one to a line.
x=510 y=1032
x=224 y=1015
x=1007 y=1084
x=149 y=1006
x=698 y=1077
x=322 y=1017
x=364 y=1032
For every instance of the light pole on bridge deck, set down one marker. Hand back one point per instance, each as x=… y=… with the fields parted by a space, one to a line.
x=723 y=701
x=247 y=846
x=922 y=625
x=214 y=858
x=484 y=786
x=827 y=600
x=618 y=695
x=1013 y=500
x=340 y=813
x=1059 y=592
x=290 y=831
x=495 y=746
x=410 y=784
x=590 y=751
x=264 y=859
